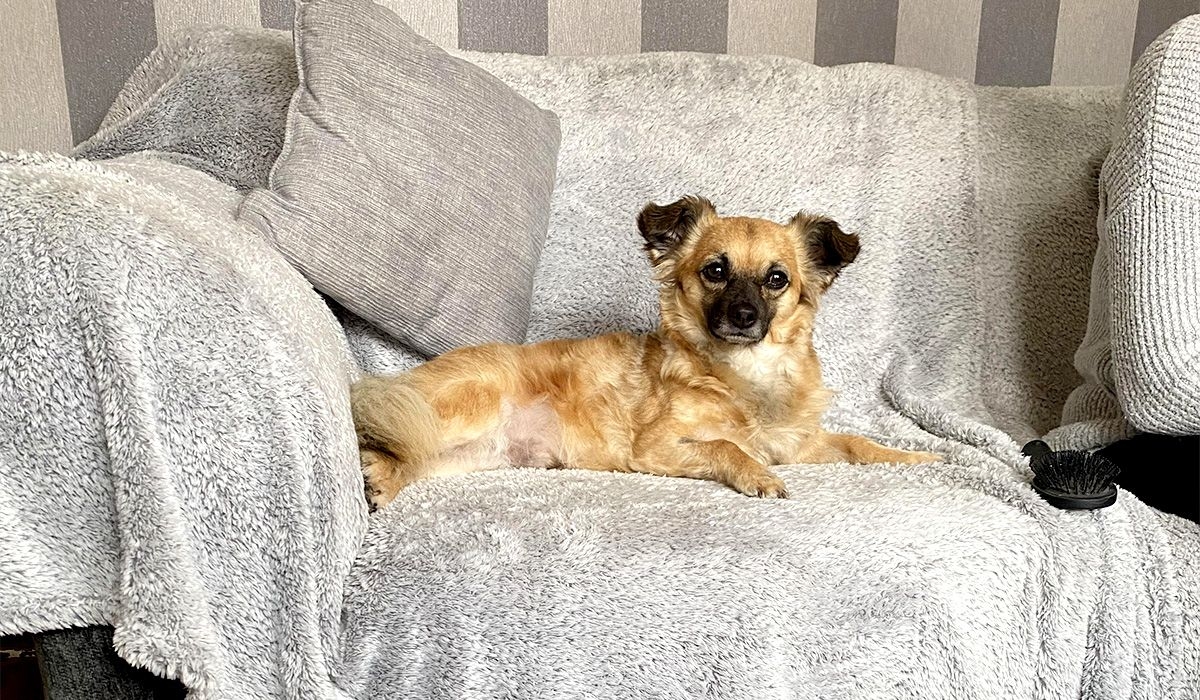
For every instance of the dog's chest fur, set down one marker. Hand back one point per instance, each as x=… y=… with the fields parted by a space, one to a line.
x=765 y=369
x=779 y=388
x=765 y=375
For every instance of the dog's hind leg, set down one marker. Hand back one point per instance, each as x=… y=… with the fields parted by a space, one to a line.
x=397 y=433
x=414 y=426
x=383 y=476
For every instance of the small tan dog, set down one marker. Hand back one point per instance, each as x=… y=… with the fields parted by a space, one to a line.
x=728 y=385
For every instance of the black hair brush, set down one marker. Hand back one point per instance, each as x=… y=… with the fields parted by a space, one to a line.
x=1070 y=479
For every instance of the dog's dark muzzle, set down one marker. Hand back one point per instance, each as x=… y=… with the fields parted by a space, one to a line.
x=739 y=315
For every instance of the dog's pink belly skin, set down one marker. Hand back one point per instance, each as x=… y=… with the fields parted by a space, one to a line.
x=533 y=436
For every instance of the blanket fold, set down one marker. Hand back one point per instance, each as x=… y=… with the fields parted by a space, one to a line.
x=178 y=456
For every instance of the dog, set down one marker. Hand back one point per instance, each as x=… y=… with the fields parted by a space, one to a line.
x=728 y=385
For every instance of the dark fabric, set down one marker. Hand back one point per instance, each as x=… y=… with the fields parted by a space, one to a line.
x=81 y=664
x=1162 y=470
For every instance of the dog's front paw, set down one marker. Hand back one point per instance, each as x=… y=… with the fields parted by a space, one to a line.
x=761 y=484
x=380 y=478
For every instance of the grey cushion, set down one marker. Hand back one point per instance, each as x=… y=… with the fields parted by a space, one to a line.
x=212 y=99
x=1140 y=358
x=413 y=187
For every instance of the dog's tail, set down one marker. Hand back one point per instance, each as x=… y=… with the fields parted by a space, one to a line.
x=392 y=417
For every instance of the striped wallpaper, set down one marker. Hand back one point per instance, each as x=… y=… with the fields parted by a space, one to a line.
x=63 y=61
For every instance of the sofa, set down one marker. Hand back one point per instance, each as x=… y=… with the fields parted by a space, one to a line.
x=180 y=476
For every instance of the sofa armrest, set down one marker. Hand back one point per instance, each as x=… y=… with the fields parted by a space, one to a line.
x=1151 y=184
x=178 y=455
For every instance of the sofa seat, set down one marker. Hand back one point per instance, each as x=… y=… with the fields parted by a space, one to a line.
x=871 y=581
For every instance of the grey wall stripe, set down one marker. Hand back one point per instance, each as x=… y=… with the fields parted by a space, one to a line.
x=436 y=20
x=172 y=17
x=1153 y=18
x=102 y=42
x=516 y=26
x=1016 y=42
x=276 y=14
x=782 y=27
x=595 y=27
x=941 y=36
x=850 y=31
x=33 y=110
x=685 y=25
x=1092 y=48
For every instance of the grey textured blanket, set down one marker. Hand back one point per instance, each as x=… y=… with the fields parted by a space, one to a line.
x=953 y=332
x=176 y=453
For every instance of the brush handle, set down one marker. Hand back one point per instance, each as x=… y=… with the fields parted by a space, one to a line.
x=1035 y=449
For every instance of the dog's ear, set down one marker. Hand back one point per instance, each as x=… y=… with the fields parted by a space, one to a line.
x=828 y=248
x=665 y=227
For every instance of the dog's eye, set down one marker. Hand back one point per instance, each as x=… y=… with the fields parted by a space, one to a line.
x=714 y=272
x=777 y=280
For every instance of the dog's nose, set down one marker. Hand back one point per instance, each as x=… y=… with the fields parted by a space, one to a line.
x=743 y=315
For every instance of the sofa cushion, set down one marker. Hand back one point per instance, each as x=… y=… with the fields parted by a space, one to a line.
x=1141 y=356
x=975 y=208
x=870 y=582
x=413 y=187
x=214 y=99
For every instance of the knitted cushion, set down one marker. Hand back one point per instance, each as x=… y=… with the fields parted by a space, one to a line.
x=1141 y=355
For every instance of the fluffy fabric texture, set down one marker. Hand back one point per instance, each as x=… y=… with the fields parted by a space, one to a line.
x=178 y=455
x=216 y=100
x=175 y=105
x=408 y=174
x=1141 y=356
x=952 y=332
x=870 y=582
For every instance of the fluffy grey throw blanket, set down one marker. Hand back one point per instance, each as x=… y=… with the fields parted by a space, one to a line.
x=953 y=332
x=177 y=454
x=213 y=100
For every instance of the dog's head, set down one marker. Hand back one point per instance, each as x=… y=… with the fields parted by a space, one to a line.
x=736 y=281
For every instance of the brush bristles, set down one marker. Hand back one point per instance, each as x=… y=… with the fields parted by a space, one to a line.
x=1076 y=473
